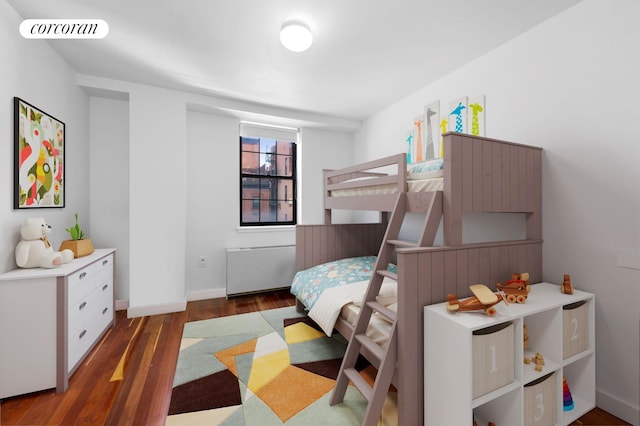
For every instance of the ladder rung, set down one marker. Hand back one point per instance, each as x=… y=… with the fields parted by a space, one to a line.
x=386 y=312
x=359 y=382
x=401 y=243
x=372 y=346
x=388 y=274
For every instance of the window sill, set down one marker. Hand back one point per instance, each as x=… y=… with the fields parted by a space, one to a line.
x=255 y=229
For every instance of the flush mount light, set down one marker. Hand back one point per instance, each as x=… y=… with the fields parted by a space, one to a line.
x=296 y=36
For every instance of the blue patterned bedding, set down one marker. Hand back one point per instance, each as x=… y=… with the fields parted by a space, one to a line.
x=307 y=285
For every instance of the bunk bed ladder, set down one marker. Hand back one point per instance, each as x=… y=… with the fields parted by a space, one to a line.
x=359 y=343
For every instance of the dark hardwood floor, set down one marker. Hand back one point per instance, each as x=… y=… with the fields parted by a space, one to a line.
x=127 y=378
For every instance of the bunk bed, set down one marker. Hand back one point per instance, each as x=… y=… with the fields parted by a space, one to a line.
x=479 y=175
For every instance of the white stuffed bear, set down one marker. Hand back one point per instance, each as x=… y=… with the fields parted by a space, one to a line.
x=35 y=249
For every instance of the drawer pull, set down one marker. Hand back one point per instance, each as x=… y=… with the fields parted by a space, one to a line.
x=104 y=287
x=82 y=334
x=104 y=262
x=104 y=311
x=82 y=275
x=82 y=305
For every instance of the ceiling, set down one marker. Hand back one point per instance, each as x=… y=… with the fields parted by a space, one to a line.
x=366 y=54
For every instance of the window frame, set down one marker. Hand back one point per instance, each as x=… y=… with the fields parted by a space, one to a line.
x=290 y=181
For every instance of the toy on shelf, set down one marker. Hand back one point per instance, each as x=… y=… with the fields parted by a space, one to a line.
x=567 y=399
x=517 y=288
x=525 y=336
x=483 y=299
x=566 y=287
x=538 y=360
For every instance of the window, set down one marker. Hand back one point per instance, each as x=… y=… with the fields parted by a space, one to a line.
x=267 y=175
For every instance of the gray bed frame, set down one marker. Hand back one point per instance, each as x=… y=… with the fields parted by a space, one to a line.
x=480 y=175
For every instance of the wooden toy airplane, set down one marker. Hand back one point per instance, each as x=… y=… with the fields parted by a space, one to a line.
x=483 y=299
x=517 y=289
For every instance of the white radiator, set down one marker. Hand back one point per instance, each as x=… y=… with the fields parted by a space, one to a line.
x=259 y=268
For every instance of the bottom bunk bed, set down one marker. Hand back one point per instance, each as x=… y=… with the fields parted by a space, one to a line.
x=425 y=276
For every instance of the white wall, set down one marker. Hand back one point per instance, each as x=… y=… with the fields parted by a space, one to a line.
x=109 y=159
x=321 y=149
x=570 y=86
x=179 y=200
x=157 y=200
x=213 y=208
x=31 y=70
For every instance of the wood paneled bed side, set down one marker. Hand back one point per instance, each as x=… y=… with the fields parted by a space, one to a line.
x=492 y=176
x=425 y=276
x=318 y=244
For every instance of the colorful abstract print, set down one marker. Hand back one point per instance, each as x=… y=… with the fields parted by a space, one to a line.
x=307 y=285
x=40 y=161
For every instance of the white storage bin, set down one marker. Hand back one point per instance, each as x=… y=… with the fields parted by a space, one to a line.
x=493 y=354
x=540 y=402
x=575 y=329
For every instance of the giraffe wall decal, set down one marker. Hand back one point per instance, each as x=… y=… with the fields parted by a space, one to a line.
x=443 y=129
x=432 y=115
x=409 y=140
x=476 y=106
x=418 y=125
x=475 y=110
x=457 y=111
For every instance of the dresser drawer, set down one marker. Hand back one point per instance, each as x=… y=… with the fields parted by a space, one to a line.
x=82 y=309
x=106 y=263
x=80 y=284
x=81 y=336
x=87 y=319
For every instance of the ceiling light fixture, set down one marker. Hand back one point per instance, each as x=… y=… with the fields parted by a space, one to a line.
x=296 y=36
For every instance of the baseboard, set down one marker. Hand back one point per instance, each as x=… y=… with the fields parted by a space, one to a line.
x=143 y=311
x=618 y=408
x=122 y=305
x=207 y=294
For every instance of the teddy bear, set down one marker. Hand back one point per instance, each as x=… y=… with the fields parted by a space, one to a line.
x=34 y=250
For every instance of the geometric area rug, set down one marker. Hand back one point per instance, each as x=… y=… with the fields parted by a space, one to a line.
x=264 y=368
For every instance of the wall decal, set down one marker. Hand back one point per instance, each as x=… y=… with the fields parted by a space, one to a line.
x=458 y=115
x=432 y=120
x=476 y=109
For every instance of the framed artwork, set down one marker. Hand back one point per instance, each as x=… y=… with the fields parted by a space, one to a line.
x=39 y=158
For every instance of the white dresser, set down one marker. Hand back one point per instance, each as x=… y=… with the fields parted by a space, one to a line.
x=51 y=318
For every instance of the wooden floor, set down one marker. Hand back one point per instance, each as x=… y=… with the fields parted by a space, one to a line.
x=127 y=378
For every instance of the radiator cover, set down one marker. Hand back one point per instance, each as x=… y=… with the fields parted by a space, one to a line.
x=259 y=268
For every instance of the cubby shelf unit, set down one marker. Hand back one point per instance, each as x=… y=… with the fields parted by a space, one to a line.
x=450 y=350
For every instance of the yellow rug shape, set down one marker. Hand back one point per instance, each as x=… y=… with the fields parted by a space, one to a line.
x=266 y=368
x=301 y=332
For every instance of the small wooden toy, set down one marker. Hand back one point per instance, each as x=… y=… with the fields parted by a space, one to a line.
x=517 y=288
x=566 y=287
x=525 y=338
x=538 y=360
x=483 y=299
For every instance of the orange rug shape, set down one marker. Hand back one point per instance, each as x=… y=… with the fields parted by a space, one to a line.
x=293 y=390
x=227 y=357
